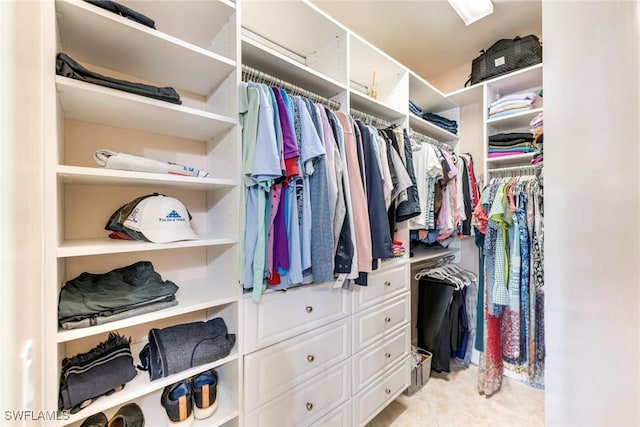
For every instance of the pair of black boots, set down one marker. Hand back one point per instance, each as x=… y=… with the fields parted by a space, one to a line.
x=130 y=415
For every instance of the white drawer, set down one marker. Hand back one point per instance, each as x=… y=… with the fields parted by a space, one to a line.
x=340 y=417
x=374 y=398
x=307 y=403
x=382 y=286
x=274 y=370
x=282 y=315
x=372 y=325
x=371 y=362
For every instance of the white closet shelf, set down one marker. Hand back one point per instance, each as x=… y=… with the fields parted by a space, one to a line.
x=516 y=81
x=141 y=386
x=123 y=45
x=303 y=29
x=424 y=127
x=518 y=159
x=98 y=176
x=97 y=104
x=269 y=61
x=84 y=247
x=368 y=105
x=197 y=22
x=519 y=120
x=192 y=296
x=427 y=96
x=466 y=96
x=365 y=58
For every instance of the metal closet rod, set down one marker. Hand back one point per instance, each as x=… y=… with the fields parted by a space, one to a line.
x=250 y=73
x=429 y=140
x=526 y=168
x=357 y=114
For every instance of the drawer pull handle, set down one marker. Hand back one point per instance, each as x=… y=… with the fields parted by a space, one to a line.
x=387 y=390
x=310 y=358
x=308 y=309
x=387 y=355
x=309 y=405
x=387 y=283
x=387 y=319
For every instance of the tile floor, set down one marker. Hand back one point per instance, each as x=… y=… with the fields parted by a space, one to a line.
x=453 y=400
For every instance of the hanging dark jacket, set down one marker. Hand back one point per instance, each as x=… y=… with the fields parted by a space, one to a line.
x=378 y=222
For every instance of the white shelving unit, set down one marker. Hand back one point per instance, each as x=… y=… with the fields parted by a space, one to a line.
x=525 y=80
x=194 y=49
x=336 y=64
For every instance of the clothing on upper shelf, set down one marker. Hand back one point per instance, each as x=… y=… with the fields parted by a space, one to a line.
x=122 y=10
x=441 y=122
x=67 y=67
x=93 y=299
x=123 y=161
x=513 y=104
x=323 y=192
x=538 y=137
x=447 y=190
x=509 y=221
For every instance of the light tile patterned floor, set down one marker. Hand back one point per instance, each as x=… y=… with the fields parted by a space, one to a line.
x=453 y=400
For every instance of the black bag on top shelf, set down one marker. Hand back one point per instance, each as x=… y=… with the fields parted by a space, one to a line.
x=504 y=56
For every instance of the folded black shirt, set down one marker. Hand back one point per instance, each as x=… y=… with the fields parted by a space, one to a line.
x=67 y=67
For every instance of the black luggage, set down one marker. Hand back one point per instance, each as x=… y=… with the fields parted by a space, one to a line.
x=504 y=56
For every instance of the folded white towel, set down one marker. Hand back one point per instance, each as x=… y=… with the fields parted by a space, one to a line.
x=123 y=161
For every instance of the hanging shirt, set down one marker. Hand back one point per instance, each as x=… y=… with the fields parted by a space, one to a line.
x=378 y=221
x=359 y=200
x=347 y=251
x=315 y=167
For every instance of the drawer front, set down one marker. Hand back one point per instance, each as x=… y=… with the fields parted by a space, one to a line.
x=282 y=315
x=382 y=286
x=307 y=403
x=340 y=417
x=374 y=398
x=371 y=362
x=274 y=370
x=372 y=325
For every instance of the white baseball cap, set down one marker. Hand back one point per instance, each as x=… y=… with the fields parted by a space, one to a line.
x=161 y=219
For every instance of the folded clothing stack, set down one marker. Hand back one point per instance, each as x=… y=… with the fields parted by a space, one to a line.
x=513 y=104
x=538 y=138
x=93 y=299
x=414 y=109
x=123 y=161
x=510 y=144
x=67 y=67
x=151 y=218
x=180 y=347
x=398 y=248
x=101 y=371
x=441 y=122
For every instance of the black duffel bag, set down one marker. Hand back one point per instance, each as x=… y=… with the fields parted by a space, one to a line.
x=504 y=56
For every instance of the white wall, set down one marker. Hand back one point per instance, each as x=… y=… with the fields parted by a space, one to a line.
x=22 y=202
x=7 y=81
x=592 y=221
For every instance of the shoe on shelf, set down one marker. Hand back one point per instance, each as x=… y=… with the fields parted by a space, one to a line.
x=129 y=415
x=177 y=400
x=95 y=420
x=205 y=394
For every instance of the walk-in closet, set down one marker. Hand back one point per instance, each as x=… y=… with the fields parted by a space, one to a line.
x=319 y=213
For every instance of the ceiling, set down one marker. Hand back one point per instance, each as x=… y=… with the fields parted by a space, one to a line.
x=428 y=36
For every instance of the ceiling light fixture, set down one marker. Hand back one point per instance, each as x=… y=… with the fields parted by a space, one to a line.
x=472 y=10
